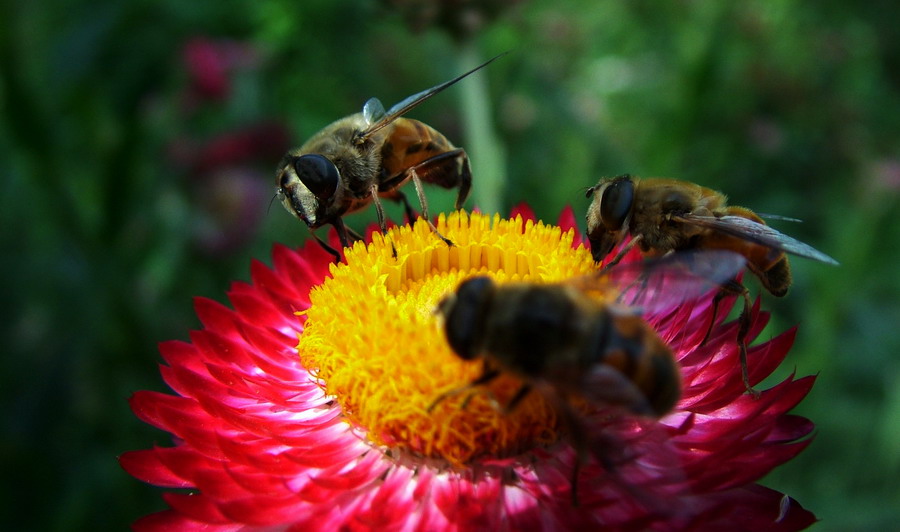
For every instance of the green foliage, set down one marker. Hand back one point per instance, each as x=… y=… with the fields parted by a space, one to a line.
x=110 y=223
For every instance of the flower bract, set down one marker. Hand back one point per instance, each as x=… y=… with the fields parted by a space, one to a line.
x=311 y=405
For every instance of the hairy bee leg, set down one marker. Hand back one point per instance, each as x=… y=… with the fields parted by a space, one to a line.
x=450 y=169
x=379 y=213
x=424 y=203
x=620 y=254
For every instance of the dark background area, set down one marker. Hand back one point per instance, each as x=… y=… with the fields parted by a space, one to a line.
x=137 y=149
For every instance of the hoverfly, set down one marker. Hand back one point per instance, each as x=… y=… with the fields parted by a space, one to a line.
x=569 y=340
x=366 y=156
x=667 y=215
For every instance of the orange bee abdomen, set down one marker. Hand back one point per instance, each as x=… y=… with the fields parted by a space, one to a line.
x=411 y=142
x=637 y=352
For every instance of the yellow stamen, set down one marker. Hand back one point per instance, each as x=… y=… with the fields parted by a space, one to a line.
x=373 y=339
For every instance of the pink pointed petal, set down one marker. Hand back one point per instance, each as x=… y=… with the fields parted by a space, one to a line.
x=523 y=210
x=147 y=466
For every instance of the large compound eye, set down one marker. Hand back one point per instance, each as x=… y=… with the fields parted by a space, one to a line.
x=318 y=174
x=464 y=314
x=616 y=202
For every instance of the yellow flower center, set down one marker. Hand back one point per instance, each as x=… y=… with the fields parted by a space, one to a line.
x=375 y=343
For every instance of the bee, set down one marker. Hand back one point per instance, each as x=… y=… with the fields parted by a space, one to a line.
x=366 y=156
x=572 y=340
x=667 y=215
x=573 y=335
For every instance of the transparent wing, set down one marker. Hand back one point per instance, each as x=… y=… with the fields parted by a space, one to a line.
x=779 y=218
x=373 y=110
x=605 y=386
x=759 y=233
x=658 y=284
x=411 y=102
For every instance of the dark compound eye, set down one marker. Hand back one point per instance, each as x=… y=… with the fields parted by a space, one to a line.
x=319 y=174
x=465 y=318
x=616 y=202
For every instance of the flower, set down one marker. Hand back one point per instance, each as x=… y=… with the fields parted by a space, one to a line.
x=210 y=65
x=343 y=437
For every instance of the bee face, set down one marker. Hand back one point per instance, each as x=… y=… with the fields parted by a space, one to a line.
x=609 y=214
x=307 y=183
x=570 y=339
x=343 y=167
x=465 y=313
x=669 y=216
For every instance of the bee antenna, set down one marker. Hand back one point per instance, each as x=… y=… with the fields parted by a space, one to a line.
x=269 y=208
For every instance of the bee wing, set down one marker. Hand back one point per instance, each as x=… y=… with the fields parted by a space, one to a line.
x=373 y=110
x=659 y=284
x=605 y=386
x=778 y=217
x=413 y=101
x=759 y=233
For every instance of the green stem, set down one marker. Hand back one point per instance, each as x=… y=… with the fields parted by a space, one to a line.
x=486 y=154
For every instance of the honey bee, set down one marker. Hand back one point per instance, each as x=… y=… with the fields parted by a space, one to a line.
x=573 y=338
x=667 y=215
x=366 y=156
x=570 y=340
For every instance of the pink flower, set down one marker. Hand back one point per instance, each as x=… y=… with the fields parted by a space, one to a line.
x=210 y=63
x=340 y=437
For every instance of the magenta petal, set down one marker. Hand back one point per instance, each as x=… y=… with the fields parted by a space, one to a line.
x=170 y=520
x=147 y=466
x=195 y=508
x=523 y=210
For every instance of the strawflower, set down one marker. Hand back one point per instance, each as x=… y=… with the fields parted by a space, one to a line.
x=307 y=406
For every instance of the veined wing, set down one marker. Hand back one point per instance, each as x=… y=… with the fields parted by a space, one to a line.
x=758 y=233
x=658 y=284
x=411 y=102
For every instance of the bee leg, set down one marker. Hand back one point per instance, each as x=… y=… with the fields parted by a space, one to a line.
x=331 y=251
x=736 y=288
x=394 y=194
x=715 y=313
x=424 y=203
x=743 y=329
x=411 y=214
x=577 y=437
x=622 y=252
x=354 y=235
x=450 y=169
x=487 y=376
x=379 y=213
x=465 y=181
x=521 y=393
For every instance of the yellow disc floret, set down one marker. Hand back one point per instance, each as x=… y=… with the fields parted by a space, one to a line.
x=373 y=339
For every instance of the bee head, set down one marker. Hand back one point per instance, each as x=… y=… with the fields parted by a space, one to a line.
x=609 y=213
x=306 y=183
x=464 y=316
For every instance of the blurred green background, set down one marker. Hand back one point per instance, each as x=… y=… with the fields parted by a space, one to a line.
x=137 y=153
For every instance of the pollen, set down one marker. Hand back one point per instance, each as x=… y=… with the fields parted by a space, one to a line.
x=376 y=345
